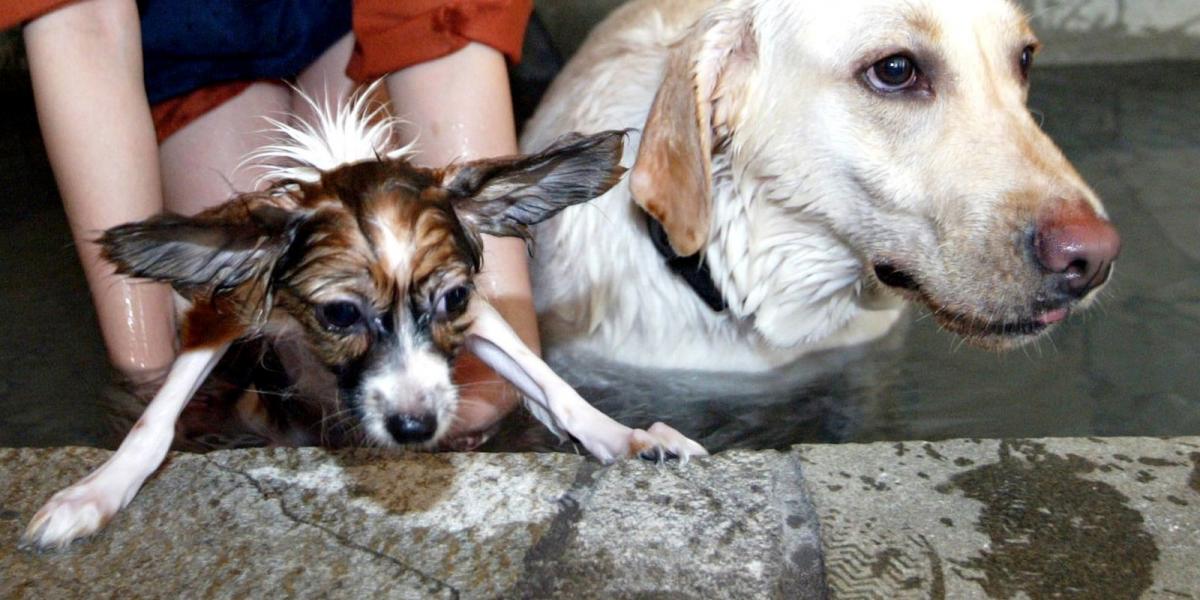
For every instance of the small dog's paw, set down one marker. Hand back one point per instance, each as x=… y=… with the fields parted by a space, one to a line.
x=468 y=441
x=662 y=441
x=70 y=514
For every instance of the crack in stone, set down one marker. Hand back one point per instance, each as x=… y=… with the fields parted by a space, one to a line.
x=543 y=559
x=799 y=530
x=338 y=538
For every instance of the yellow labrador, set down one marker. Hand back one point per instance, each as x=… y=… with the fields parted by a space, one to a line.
x=799 y=170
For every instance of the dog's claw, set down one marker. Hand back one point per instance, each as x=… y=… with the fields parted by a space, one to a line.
x=657 y=455
x=662 y=442
x=70 y=514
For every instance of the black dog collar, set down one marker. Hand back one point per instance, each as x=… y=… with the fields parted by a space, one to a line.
x=692 y=269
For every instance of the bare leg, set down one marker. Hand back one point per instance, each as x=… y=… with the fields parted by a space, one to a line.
x=86 y=64
x=325 y=80
x=200 y=162
x=461 y=109
x=85 y=507
x=558 y=405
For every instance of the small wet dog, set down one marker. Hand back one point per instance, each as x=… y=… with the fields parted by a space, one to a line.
x=368 y=262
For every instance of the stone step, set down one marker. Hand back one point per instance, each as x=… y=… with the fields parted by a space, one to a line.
x=1077 y=518
x=1089 y=518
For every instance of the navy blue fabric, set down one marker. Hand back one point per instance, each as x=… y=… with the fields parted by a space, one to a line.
x=188 y=44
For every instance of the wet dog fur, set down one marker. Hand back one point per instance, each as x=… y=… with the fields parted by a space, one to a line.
x=363 y=264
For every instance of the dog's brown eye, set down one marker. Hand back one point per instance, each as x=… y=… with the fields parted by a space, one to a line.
x=893 y=74
x=339 y=315
x=1026 y=60
x=454 y=302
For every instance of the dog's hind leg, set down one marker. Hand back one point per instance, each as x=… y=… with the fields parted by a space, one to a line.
x=86 y=506
x=556 y=404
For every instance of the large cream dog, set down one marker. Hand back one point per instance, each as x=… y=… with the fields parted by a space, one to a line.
x=828 y=160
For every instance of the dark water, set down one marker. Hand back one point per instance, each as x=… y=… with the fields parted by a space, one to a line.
x=1129 y=366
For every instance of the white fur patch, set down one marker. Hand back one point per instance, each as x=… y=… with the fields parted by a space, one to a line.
x=415 y=381
x=346 y=131
x=395 y=252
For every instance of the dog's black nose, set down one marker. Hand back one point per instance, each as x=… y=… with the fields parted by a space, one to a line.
x=1076 y=247
x=410 y=429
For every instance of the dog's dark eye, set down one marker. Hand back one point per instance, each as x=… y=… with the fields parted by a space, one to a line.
x=1026 y=60
x=453 y=302
x=893 y=74
x=339 y=315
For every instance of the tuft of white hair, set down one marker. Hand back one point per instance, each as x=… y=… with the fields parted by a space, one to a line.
x=345 y=131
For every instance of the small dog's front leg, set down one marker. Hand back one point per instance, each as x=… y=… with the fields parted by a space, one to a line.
x=557 y=404
x=86 y=506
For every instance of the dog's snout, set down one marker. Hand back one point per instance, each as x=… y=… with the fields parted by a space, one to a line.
x=412 y=429
x=1077 y=247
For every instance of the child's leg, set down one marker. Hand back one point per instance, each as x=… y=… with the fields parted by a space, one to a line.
x=325 y=79
x=86 y=63
x=200 y=162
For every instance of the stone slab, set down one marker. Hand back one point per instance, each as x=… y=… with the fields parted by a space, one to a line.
x=1084 y=518
x=367 y=524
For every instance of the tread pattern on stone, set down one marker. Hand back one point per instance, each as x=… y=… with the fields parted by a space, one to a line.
x=880 y=568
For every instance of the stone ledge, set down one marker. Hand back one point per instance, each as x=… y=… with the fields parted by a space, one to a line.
x=348 y=524
x=1084 y=518
x=955 y=519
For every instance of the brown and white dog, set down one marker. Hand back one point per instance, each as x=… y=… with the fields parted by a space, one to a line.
x=827 y=161
x=368 y=261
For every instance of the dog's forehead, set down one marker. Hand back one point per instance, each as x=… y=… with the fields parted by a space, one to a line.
x=410 y=235
x=393 y=227
x=823 y=27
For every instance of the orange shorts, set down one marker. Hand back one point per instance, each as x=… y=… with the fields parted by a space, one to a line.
x=389 y=36
x=19 y=12
x=392 y=35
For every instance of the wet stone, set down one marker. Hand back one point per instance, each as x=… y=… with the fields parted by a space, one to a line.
x=735 y=527
x=1037 y=508
x=1194 y=479
x=956 y=519
x=1034 y=519
x=312 y=523
x=172 y=543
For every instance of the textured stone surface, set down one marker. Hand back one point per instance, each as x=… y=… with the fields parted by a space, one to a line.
x=314 y=523
x=1087 y=518
x=734 y=526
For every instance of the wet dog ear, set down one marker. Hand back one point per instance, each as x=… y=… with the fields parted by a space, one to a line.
x=672 y=177
x=504 y=196
x=217 y=250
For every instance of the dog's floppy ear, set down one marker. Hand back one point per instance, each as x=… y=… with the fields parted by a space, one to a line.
x=503 y=196
x=217 y=250
x=672 y=177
